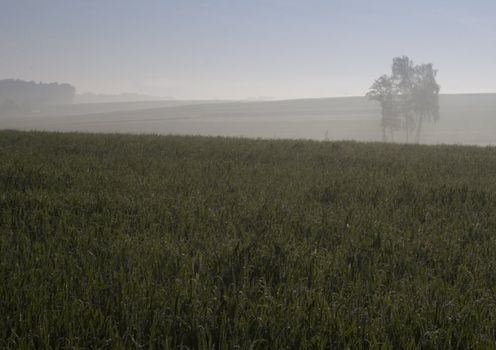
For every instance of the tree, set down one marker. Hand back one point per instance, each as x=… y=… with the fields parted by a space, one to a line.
x=425 y=96
x=383 y=92
x=30 y=95
x=402 y=72
x=408 y=97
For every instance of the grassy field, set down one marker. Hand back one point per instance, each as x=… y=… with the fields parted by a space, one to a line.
x=117 y=241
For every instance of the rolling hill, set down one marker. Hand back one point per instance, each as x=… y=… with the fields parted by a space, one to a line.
x=465 y=119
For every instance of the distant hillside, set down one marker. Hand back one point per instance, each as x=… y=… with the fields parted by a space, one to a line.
x=106 y=98
x=109 y=107
x=465 y=119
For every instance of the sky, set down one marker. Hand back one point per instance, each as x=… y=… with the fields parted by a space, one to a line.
x=245 y=49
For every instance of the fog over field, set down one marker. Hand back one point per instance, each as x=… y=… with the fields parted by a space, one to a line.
x=424 y=71
x=465 y=119
x=419 y=72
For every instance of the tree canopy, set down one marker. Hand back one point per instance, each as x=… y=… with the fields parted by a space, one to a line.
x=20 y=95
x=408 y=97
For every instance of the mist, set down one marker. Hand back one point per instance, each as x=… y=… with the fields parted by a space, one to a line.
x=283 y=69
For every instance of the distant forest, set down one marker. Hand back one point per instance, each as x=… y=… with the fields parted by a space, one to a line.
x=19 y=96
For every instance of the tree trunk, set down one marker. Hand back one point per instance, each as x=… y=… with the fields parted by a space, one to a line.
x=384 y=138
x=419 y=128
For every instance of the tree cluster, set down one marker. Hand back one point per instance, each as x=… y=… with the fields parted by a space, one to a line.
x=26 y=96
x=408 y=97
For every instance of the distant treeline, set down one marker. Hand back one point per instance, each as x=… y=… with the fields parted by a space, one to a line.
x=26 y=96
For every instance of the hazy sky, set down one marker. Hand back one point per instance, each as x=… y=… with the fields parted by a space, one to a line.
x=245 y=48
